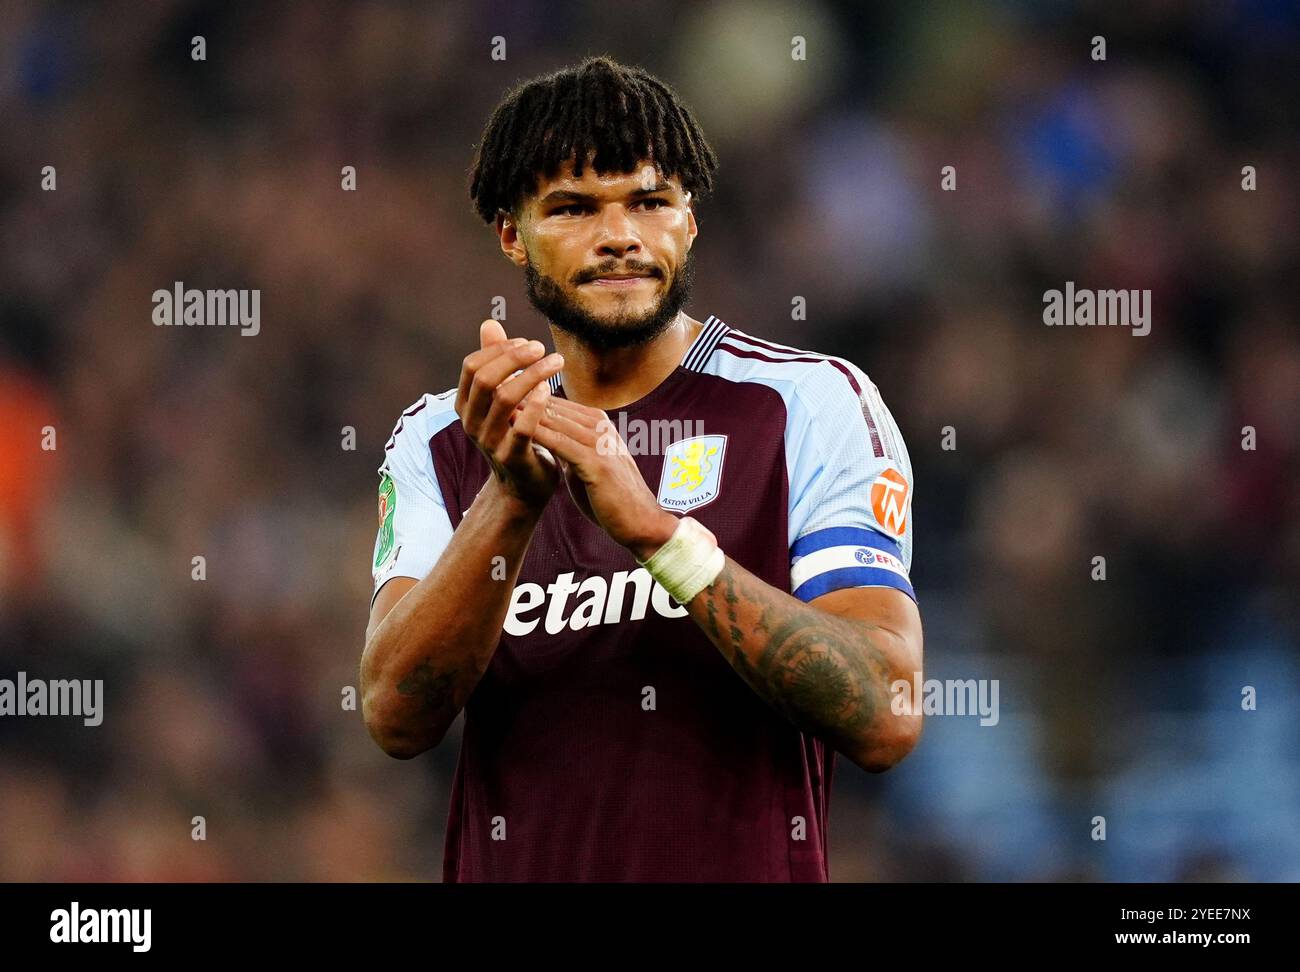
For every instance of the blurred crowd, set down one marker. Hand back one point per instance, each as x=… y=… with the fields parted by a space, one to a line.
x=1121 y=699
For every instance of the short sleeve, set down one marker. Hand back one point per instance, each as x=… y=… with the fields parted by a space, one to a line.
x=414 y=527
x=850 y=487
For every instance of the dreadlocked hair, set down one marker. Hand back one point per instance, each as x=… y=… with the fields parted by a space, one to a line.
x=621 y=113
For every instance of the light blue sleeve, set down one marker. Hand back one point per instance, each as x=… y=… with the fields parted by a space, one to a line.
x=850 y=486
x=414 y=527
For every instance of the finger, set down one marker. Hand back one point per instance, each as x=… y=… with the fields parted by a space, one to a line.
x=577 y=431
x=491 y=332
x=560 y=444
x=475 y=361
x=483 y=387
x=602 y=426
x=588 y=417
x=535 y=393
x=525 y=422
x=585 y=414
x=512 y=391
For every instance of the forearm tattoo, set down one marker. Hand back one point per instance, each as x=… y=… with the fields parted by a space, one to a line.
x=825 y=674
x=431 y=689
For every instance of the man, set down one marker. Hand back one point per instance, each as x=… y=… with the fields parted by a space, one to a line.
x=658 y=650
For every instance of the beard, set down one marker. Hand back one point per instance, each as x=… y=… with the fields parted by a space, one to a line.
x=624 y=329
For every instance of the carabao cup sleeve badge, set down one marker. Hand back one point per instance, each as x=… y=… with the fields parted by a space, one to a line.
x=384 y=546
x=692 y=473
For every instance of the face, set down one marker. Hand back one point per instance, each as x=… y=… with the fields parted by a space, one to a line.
x=575 y=236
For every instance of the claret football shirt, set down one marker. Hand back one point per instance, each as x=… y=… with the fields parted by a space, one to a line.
x=609 y=740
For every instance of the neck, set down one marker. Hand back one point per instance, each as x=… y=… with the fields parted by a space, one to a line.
x=613 y=378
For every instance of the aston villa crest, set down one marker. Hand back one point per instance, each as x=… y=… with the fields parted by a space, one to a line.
x=692 y=472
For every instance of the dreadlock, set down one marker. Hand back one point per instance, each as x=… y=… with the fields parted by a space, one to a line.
x=622 y=113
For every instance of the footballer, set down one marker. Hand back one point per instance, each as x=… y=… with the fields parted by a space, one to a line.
x=658 y=651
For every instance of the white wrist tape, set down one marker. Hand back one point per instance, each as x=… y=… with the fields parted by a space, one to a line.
x=689 y=562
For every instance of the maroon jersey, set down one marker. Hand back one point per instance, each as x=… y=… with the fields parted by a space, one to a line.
x=609 y=740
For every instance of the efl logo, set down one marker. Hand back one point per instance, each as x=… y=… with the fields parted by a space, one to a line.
x=878 y=558
x=889 y=498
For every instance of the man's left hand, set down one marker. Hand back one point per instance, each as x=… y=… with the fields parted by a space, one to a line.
x=602 y=476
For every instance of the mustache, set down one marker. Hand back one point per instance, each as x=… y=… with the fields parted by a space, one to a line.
x=648 y=269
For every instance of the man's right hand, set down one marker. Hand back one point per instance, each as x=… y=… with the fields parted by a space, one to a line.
x=486 y=402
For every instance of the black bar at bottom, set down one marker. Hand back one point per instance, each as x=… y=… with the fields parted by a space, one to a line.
x=901 y=922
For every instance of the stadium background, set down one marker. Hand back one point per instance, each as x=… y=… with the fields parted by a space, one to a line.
x=1118 y=698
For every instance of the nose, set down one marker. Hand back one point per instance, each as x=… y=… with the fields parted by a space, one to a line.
x=618 y=238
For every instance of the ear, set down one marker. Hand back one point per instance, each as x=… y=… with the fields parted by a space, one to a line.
x=512 y=240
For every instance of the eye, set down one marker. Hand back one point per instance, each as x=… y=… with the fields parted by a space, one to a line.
x=658 y=203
